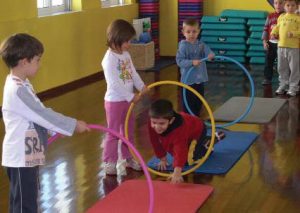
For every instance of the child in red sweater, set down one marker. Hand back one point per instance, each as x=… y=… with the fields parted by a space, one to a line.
x=270 y=45
x=173 y=132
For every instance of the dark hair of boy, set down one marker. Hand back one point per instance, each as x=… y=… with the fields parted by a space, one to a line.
x=161 y=109
x=118 y=32
x=20 y=46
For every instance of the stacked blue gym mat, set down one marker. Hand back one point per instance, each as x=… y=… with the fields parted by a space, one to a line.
x=256 y=50
x=236 y=34
x=255 y=22
x=225 y=36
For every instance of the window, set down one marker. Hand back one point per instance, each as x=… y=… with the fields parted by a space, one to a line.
x=110 y=3
x=49 y=7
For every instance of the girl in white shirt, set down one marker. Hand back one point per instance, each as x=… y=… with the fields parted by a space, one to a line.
x=121 y=79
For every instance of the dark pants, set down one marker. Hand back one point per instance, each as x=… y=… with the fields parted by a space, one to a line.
x=23 y=189
x=271 y=55
x=194 y=102
x=200 y=148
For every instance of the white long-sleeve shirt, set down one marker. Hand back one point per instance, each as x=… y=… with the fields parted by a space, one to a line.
x=26 y=122
x=121 y=77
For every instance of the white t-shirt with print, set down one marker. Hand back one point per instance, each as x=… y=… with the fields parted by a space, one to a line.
x=25 y=118
x=121 y=77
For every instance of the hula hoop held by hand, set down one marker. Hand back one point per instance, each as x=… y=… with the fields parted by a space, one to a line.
x=124 y=140
x=213 y=128
x=251 y=101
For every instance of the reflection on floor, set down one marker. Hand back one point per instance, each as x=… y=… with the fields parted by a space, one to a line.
x=266 y=178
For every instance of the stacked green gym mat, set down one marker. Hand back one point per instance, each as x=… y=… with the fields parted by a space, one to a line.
x=236 y=33
x=225 y=36
x=255 y=23
x=256 y=50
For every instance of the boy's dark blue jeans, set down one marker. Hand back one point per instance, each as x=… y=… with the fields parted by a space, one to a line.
x=23 y=189
x=271 y=55
x=194 y=103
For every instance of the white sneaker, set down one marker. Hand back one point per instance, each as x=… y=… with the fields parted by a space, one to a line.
x=291 y=93
x=110 y=168
x=281 y=90
x=121 y=167
x=133 y=164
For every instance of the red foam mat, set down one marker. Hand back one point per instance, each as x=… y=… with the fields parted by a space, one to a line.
x=133 y=196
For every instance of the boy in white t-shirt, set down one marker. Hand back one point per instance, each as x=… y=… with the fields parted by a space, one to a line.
x=27 y=122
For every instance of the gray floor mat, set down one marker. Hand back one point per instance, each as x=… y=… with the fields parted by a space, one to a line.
x=262 y=111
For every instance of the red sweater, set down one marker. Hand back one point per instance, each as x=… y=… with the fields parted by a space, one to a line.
x=176 y=139
x=270 y=23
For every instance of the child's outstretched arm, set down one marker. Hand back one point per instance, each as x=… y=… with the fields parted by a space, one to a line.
x=137 y=96
x=137 y=80
x=33 y=109
x=180 y=154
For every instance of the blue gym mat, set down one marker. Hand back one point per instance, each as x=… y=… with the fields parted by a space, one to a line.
x=257 y=22
x=256 y=28
x=255 y=14
x=226 y=153
x=238 y=33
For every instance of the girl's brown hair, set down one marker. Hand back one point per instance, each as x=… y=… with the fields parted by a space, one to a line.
x=118 y=32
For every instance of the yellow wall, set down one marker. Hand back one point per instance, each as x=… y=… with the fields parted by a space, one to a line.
x=74 y=42
x=16 y=10
x=168 y=25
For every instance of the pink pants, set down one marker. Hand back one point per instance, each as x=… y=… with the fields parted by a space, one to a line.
x=115 y=117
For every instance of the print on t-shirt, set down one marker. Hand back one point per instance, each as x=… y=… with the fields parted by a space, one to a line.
x=124 y=68
x=34 y=148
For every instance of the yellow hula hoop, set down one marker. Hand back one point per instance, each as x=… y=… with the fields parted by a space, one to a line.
x=213 y=127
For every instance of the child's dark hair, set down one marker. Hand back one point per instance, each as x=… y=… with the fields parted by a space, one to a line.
x=161 y=108
x=20 y=46
x=118 y=32
x=190 y=22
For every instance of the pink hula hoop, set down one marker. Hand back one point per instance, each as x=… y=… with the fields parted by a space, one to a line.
x=123 y=139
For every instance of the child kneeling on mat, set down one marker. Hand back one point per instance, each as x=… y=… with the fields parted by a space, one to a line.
x=173 y=132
